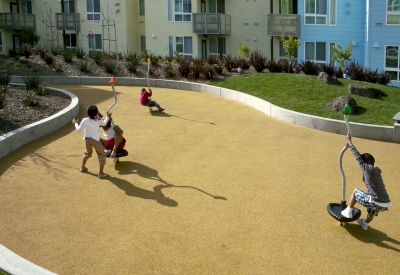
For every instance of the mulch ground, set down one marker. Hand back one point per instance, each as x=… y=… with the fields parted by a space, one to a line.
x=210 y=186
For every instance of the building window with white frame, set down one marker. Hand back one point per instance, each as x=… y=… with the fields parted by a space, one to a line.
x=315 y=51
x=95 y=43
x=26 y=7
x=70 y=41
x=214 y=46
x=392 y=64
x=332 y=12
x=93 y=10
x=69 y=6
x=142 y=43
x=393 y=12
x=181 y=45
x=180 y=10
x=141 y=8
x=315 y=12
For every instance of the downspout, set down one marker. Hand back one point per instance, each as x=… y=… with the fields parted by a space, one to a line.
x=271 y=9
x=367 y=35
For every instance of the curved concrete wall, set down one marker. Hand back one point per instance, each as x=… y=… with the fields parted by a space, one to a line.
x=15 y=139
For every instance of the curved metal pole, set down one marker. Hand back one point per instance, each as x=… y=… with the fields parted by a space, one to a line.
x=148 y=73
x=346 y=119
x=112 y=82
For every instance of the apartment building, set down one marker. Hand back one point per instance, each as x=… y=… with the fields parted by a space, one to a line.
x=202 y=28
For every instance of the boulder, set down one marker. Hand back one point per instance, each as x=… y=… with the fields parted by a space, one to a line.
x=365 y=91
x=338 y=103
x=324 y=77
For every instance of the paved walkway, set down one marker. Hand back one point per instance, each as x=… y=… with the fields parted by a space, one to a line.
x=210 y=186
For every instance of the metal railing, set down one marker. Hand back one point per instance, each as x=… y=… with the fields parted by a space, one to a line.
x=17 y=21
x=283 y=24
x=211 y=23
x=68 y=21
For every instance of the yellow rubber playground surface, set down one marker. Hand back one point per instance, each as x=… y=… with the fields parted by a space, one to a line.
x=211 y=186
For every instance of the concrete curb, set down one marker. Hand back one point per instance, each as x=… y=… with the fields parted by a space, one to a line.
x=14 y=264
x=15 y=139
x=367 y=131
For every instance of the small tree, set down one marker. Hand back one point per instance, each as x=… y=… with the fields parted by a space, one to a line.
x=290 y=45
x=342 y=56
x=243 y=52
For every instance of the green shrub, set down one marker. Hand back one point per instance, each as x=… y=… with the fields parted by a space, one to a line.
x=219 y=67
x=57 y=67
x=96 y=56
x=184 y=67
x=230 y=62
x=68 y=55
x=28 y=37
x=208 y=71
x=308 y=67
x=286 y=66
x=41 y=91
x=274 y=66
x=197 y=67
x=26 y=50
x=32 y=82
x=30 y=98
x=169 y=70
x=327 y=68
x=355 y=70
x=258 y=60
x=83 y=66
x=80 y=53
x=5 y=79
x=56 y=50
x=109 y=65
x=3 y=94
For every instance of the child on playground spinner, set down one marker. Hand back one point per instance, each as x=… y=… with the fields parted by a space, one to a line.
x=91 y=125
x=145 y=101
x=376 y=192
x=114 y=139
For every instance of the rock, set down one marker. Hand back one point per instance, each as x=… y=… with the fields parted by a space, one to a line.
x=338 y=103
x=365 y=91
x=324 y=77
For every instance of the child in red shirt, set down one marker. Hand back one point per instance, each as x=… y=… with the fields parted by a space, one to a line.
x=146 y=101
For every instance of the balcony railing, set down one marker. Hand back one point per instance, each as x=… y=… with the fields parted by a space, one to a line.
x=68 y=21
x=17 y=21
x=211 y=23
x=283 y=24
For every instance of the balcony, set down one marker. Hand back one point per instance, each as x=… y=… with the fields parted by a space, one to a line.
x=283 y=24
x=68 y=21
x=17 y=21
x=211 y=23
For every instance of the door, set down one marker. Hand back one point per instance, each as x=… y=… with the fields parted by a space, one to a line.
x=204 y=49
x=15 y=39
x=13 y=7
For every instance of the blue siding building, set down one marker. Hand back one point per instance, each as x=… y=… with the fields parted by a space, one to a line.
x=373 y=26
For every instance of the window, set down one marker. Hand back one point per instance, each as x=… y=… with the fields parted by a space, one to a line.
x=332 y=12
x=141 y=8
x=393 y=12
x=26 y=7
x=70 y=40
x=179 y=10
x=93 y=9
x=1 y=43
x=214 y=46
x=315 y=51
x=181 y=44
x=142 y=43
x=69 y=6
x=392 y=65
x=95 y=42
x=315 y=12
x=216 y=6
x=331 y=52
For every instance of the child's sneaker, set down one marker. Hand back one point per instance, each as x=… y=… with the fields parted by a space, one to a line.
x=363 y=223
x=348 y=213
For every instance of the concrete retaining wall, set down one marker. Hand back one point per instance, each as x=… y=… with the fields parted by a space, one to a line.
x=15 y=139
